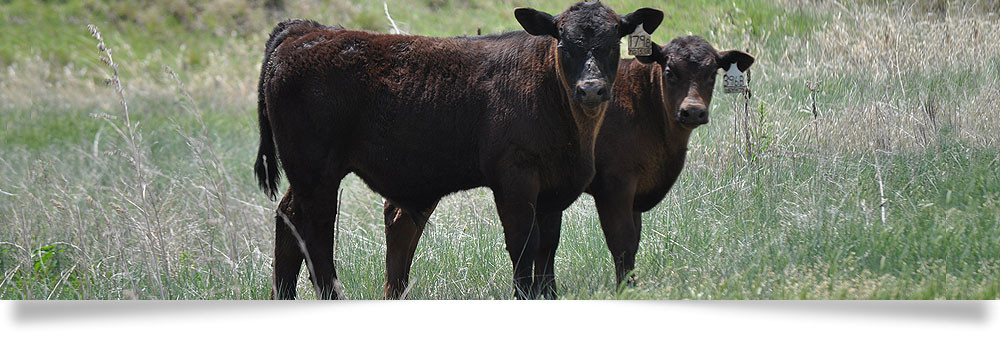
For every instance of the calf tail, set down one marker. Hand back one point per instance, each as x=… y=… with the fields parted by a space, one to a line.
x=266 y=166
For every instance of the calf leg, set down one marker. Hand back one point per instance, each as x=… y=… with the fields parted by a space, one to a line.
x=637 y=219
x=402 y=232
x=287 y=253
x=614 y=207
x=311 y=227
x=516 y=201
x=548 y=228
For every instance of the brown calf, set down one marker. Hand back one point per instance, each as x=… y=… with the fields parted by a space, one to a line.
x=643 y=142
x=640 y=148
x=417 y=118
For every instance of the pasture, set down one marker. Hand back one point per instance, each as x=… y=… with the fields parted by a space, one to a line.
x=863 y=165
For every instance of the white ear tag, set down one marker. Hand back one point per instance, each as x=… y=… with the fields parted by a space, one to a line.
x=734 y=82
x=639 y=43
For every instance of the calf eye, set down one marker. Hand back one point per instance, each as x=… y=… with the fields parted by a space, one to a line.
x=669 y=74
x=565 y=51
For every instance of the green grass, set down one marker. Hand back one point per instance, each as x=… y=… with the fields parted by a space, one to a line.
x=774 y=203
x=175 y=32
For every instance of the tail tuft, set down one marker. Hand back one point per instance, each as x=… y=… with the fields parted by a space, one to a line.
x=266 y=168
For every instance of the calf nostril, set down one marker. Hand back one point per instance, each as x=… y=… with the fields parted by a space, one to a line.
x=592 y=91
x=693 y=115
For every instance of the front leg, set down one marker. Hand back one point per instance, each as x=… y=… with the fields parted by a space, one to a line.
x=402 y=233
x=549 y=225
x=637 y=219
x=618 y=220
x=516 y=197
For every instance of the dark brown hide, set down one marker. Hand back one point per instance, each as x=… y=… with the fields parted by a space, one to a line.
x=641 y=146
x=418 y=118
x=643 y=143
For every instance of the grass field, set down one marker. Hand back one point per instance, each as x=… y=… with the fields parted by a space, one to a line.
x=864 y=166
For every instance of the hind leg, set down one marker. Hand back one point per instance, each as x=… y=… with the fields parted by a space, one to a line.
x=287 y=252
x=318 y=210
x=402 y=232
x=309 y=134
x=312 y=205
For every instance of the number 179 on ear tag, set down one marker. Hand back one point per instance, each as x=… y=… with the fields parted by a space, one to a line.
x=639 y=43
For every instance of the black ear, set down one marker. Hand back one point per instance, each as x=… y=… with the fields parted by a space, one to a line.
x=658 y=56
x=742 y=59
x=536 y=22
x=649 y=18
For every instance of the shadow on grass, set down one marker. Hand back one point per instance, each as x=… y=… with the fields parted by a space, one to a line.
x=44 y=312
x=965 y=311
x=38 y=312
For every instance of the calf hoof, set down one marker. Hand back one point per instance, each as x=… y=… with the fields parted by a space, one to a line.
x=632 y=281
x=548 y=292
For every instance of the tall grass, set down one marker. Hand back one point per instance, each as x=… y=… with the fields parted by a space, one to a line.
x=862 y=164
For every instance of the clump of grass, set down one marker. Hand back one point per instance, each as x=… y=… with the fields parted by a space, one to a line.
x=137 y=239
x=138 y=194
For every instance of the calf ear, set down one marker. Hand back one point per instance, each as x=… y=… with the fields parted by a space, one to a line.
x=649 y=18
x=657 y=56
x=742 y=59
x=536 y=22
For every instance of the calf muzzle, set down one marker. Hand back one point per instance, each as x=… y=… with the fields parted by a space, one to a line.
x=693 y=115
x=592 y=92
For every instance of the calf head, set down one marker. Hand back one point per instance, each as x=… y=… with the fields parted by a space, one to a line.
x=690 y=65
x=588 y=36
